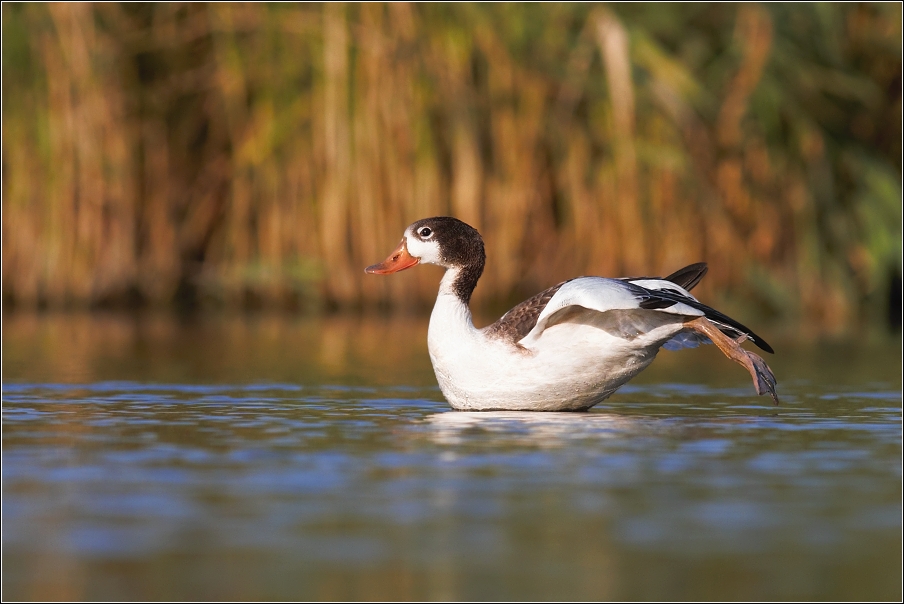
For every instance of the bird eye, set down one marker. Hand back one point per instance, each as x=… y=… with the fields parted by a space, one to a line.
x=425 y=232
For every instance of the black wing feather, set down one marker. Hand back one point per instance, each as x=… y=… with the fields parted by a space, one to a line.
x=689 y=276
x=663 y=298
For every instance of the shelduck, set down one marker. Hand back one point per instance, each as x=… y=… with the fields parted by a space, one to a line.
x=568 y=347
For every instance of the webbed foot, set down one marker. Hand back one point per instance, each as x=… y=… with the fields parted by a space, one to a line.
x=763 y=378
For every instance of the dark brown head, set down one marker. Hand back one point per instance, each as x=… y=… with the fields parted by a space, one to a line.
x=444 y=241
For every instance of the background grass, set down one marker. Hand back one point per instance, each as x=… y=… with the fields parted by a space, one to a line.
x=261 y=155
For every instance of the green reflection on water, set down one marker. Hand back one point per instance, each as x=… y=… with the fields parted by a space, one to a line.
x=269 y=458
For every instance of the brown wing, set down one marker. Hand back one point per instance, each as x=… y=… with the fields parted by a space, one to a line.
x=517 y=323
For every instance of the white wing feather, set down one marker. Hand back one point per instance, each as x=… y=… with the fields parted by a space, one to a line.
x=605 y=295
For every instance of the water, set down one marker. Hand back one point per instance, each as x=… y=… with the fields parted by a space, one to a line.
x=269 y=458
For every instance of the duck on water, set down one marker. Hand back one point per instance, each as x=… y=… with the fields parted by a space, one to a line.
x=568 y=347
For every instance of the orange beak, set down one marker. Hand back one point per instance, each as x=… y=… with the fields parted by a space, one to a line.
x=397 y=261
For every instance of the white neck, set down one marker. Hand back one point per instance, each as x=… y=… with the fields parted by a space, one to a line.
x=449 y=277
x=450 y=321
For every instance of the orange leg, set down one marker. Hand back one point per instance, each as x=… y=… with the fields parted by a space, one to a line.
x=763 y=380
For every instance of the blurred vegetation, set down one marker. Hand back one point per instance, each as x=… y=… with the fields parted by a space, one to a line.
x=250 y=154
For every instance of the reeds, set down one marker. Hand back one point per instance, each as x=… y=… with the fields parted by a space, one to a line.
x=264 y=154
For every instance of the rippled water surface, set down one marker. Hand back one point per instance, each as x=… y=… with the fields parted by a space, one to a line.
x=147 y=458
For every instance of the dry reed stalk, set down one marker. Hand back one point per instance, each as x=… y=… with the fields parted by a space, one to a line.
x=613 y=41
x=88 y=234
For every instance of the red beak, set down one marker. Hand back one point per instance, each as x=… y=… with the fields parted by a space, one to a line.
x=397 y=261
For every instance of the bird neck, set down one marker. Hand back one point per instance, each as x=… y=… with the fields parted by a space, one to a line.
x=451 y=322
x=460 y=281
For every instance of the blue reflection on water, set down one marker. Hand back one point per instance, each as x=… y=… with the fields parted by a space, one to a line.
x=122 y=469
